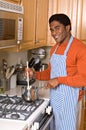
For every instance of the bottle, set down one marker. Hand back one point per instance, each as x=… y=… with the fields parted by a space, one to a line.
x=2 y=83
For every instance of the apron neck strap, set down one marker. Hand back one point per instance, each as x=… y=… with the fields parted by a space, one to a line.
x=69 y=44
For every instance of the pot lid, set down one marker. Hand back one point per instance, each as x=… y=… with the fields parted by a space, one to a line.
x=39 y=51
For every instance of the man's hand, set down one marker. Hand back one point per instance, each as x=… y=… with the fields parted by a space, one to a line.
x=30 y=71
x=52 y=83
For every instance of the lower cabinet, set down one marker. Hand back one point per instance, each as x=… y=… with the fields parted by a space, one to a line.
x=83 y=115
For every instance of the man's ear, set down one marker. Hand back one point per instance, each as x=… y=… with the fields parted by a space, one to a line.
x=68 y=28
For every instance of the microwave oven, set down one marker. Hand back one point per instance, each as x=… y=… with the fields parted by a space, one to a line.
x=11 y=24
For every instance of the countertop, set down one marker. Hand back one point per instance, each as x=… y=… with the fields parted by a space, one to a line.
x=42 y=92
x=14 y=125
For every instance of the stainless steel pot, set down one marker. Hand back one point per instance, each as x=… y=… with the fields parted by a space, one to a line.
x=31 y=94
x=40 y=52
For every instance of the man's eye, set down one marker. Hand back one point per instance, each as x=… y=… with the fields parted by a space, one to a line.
x=57 y=28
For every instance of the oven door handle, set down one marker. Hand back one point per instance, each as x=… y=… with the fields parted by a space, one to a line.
x=45 y=122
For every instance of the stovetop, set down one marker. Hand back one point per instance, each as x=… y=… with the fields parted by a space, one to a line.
x=14 y=107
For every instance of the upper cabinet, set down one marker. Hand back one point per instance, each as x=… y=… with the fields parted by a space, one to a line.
x=36 y=31
x=81 y=20
x=75 y=9
x=35 y=23
x=71 y=9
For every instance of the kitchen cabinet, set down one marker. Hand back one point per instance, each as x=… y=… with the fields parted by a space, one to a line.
x=35 y=24
x=36 y=15
x=75 y=9
x=70 y=9
x=52 y=10
x=83 y=115
x=81 y=20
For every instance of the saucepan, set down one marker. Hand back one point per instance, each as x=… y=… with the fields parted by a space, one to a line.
x=30 y=94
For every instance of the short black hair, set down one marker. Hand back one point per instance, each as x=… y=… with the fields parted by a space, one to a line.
x=62 y=18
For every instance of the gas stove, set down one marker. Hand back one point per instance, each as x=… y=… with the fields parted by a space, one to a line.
x=15 y=108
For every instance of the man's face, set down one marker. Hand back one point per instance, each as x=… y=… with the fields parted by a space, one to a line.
x=59 y=32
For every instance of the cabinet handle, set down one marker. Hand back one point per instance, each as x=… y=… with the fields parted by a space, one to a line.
x=37 y=41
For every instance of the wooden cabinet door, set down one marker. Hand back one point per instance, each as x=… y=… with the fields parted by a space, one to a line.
x=41 y=23
x=35 y=23
x=68 y=7
x=81 y=20
x=29 y=24
x=75 y=9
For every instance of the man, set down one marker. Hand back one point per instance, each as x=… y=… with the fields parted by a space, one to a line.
x=65 y=74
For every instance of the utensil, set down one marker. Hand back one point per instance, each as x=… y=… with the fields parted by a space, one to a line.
x=27 y=96
x=28 y=86
x=9 y=72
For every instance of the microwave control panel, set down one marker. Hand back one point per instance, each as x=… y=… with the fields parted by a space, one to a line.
x=20 y=30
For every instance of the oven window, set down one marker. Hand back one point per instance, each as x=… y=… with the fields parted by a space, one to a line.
x=7 y=29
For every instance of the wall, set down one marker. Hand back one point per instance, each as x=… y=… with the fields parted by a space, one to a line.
x=3 y=56
x=13 y=58
x=17 y=58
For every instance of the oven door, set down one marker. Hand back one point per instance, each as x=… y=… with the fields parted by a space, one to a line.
x=44 y=120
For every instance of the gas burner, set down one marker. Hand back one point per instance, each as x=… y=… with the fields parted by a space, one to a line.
x=10 y=99
x=1 y=114
x=15 y=116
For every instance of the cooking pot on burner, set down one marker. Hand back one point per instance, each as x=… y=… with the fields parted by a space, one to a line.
x=31 y=94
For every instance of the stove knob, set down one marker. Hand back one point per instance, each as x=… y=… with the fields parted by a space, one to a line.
x=49 y=110
x=36 y=126
x=32 y=127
